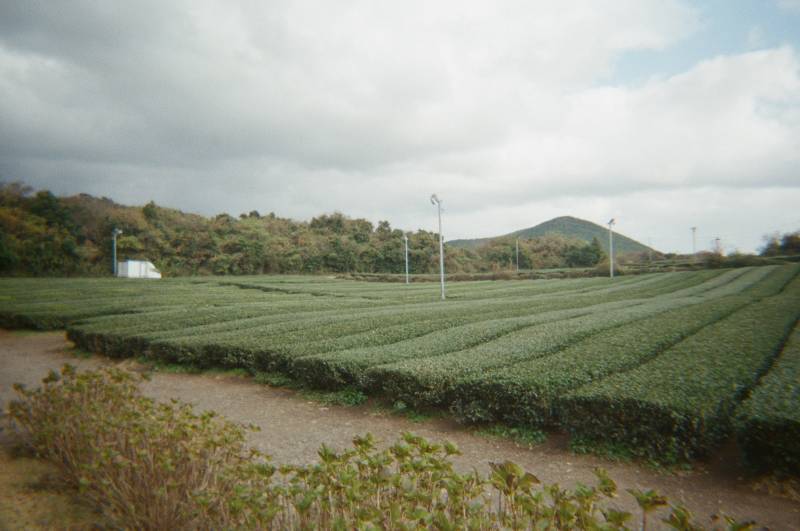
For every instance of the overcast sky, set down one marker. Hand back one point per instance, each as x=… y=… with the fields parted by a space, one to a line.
x=665 y=114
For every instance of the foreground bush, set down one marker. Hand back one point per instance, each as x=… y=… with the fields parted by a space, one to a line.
x=147 y=465
x=160 y=466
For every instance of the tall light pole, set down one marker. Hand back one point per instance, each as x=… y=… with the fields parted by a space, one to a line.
x=517 y=255
x=438 y=202
x=405 y=237
x=694 y=240
x=611 y=223
x=114 y=233
x=718 y=245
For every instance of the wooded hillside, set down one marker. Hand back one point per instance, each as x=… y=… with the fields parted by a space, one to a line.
x=43 y=234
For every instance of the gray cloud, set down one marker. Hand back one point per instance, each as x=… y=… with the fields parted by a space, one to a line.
x=367 y=107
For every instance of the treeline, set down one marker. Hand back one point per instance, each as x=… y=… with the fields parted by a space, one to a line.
x=777 y=244
x=42 y=234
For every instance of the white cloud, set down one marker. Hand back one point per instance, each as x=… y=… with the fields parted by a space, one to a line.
x=323 y=84
x=367 y=107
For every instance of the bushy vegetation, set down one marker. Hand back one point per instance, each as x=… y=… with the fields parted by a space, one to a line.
x=150 y=465
x=41 y=234
x=768 y=423
x=659 y=362
x=787 y=244
x=680 y=404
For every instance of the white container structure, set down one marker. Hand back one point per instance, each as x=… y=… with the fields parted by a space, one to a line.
x=137 y=269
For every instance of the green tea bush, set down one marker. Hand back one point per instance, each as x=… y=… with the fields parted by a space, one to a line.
x=528 y=392
x=768 y=422
x=680 y=404
x=494 y=351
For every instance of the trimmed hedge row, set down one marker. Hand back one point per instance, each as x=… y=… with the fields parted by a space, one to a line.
x=349 y=367
x=528 y=392
x=435 y=380
x=680 y=403
x=536 y=353
x=204 y=337
x=768 y=423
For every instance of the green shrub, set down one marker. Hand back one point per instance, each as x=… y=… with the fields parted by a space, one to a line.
x=149 y=465
x=494 y=351
x=768 y=423
x=679 y=405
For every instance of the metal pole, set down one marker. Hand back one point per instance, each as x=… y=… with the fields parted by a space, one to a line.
x=405 y=237
x=438 y=202
x=441 y=247
x=517 y=255
x=114 y=250
x=611 y=248
x=694 y=240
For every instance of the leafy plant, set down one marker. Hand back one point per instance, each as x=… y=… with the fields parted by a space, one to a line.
x=648 y=501
x=155 y=465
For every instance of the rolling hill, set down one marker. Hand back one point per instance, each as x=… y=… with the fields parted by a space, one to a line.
x=565 y=226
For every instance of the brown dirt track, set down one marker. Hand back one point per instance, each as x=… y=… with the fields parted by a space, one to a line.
x=293 y=428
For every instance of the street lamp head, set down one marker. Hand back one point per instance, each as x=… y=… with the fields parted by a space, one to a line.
x=435 y=199
x=117 y=231
x=611 y=222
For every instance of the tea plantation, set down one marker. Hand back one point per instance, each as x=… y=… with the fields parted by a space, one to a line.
x=671 y=364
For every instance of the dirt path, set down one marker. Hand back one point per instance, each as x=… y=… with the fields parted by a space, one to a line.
x=292 y=429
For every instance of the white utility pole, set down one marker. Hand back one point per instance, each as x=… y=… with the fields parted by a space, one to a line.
x=718 y=246
x=405 y=237
x=438 y=202
x=114 y=234
x=694 y=240
x=517 y=255
x=611 y=223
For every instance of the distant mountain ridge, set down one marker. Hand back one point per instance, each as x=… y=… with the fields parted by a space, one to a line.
x=568 y=226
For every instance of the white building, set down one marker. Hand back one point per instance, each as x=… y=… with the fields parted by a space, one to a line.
x=137 y=269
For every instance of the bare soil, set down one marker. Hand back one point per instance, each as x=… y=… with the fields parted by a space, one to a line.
x=33 y=497
x=292 y=428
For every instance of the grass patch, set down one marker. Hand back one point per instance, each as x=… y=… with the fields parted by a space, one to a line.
x=238 y=372
x=343 y=397
x=620 y=452
x=170 y=368
x=609 y=450
x=414 y=415
x=520 y=435
x=80 y=353
x=25 y=332
x=275 y=379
